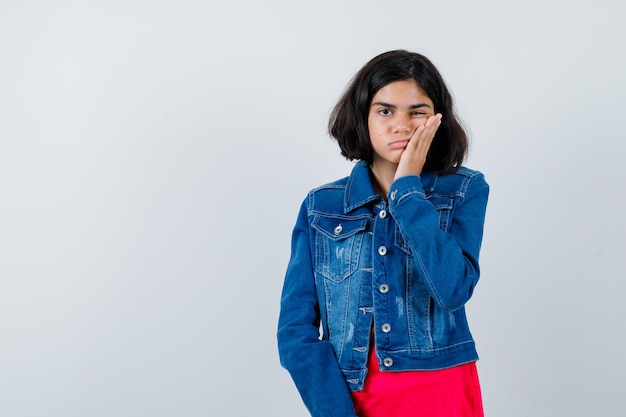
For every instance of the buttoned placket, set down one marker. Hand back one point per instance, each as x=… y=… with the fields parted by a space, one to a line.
x=382 y=244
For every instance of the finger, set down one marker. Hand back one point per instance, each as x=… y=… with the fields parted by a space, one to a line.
x=431 y=125
x=415 y=137
x=424 y=135
x=428 y=128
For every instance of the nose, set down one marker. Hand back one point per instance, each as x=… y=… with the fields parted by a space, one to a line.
x=402 y=123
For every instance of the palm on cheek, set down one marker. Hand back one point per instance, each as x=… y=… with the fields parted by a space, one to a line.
x=414 y=156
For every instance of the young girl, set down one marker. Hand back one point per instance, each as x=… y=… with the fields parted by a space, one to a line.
x=372 y=320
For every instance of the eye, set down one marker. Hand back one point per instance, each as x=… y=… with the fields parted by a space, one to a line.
x=418 y=113
x=384 y=112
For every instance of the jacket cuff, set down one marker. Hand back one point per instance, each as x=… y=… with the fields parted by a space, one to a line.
x=404 y=187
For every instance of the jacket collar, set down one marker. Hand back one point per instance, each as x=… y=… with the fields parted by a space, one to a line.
x=359 y=189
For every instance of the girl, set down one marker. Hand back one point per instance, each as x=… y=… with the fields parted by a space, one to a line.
x=372 y=320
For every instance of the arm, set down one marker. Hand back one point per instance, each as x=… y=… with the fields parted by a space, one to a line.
x=448 y=261
x=310 y=361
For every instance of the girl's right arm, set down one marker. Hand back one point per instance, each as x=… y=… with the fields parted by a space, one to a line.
x=310 y=361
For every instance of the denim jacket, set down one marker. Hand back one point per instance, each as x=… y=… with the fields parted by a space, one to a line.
x=401 y=271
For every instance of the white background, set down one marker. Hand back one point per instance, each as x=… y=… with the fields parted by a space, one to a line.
x=153 y=156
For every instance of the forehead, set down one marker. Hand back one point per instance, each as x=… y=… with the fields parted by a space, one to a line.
x=404 y=91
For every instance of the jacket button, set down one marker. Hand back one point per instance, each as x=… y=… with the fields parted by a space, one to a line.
x=384 y=288
x=382 y=251
x=338 y=229
x=382 y=214
x=393 y=194
x=387 y=362
x=386 y=327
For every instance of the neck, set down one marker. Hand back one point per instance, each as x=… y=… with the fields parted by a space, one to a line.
x=383 y=174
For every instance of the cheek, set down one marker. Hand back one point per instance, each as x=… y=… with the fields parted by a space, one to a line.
x=419 y=121
x=378 y=125
x=371 y=125
x=372 y=129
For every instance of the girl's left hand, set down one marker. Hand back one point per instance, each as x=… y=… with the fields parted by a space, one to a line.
x=414 y=156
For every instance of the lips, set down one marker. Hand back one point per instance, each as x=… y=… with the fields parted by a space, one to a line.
x=399 y=144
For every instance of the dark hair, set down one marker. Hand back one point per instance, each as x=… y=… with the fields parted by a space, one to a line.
x=348 y=120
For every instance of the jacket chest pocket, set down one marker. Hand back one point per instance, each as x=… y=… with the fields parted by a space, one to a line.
x=337 y=246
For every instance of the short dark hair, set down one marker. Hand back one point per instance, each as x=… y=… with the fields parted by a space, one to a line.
x=348 y=120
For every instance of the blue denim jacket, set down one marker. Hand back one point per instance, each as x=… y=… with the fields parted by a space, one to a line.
x=404 y=269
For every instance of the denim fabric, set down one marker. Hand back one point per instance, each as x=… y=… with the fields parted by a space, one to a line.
x=406 y=267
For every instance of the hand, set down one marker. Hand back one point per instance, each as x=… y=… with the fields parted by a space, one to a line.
x=414 y=156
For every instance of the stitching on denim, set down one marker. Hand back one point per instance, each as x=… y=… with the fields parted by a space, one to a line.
x=317 y=224
x=410 y=193
x=337 y=342
x=428 y=326
x=430 y=281
x=409 y=301
x=329 y=336
x=352 y=249
x=454 y=194
x=471 y=341
x=330 y=186
x=410 y=289
x=313 y=212
x=345 y=320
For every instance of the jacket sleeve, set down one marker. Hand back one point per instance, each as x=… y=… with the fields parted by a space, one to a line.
x=448 y=261
x=310 y=361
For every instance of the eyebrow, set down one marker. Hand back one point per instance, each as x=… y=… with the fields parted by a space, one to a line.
x=393 y=106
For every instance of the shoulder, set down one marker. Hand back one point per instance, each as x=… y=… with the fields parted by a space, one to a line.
x=467 y=172
x=328 y=196
x=339 y=184
x=461 y=182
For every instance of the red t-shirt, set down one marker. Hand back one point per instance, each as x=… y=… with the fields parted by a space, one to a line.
x=453 y=392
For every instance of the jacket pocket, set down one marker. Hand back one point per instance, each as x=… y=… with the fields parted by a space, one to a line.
x=337 y=246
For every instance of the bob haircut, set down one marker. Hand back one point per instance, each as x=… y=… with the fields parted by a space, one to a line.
x=348 y=120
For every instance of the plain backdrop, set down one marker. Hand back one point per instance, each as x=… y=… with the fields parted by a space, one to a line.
x=154 y=154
